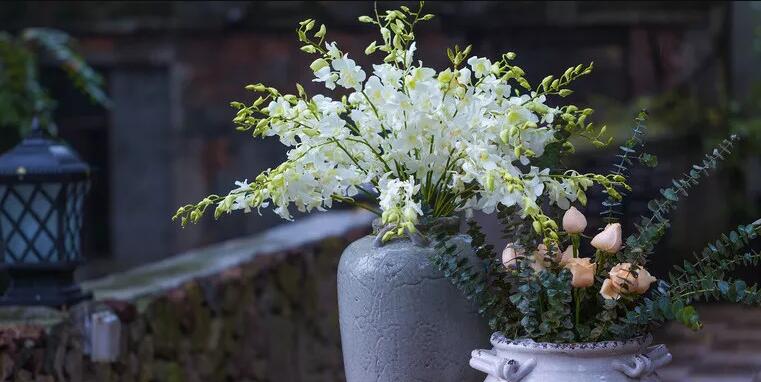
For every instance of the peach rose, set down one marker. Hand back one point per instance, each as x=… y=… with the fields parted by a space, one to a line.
x=609 y=240
x=583 y=271
x=539 y=263
x=540 y=256
x=644 y=279
x=574 y=221
x=623 y=278
x=510 y=255
x=610 y=291
x=566 y=256
x=541 y=250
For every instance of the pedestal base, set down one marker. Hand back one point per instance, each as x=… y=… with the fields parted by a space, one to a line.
x=47 y=285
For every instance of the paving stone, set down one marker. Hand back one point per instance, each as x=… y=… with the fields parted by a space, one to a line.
x=728 y=349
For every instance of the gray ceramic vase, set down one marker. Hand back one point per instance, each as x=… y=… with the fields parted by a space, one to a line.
x=401 y=319
x=612 y=361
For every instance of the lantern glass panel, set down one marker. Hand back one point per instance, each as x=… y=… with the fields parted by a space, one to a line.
x=29 y=220
x=75 y=199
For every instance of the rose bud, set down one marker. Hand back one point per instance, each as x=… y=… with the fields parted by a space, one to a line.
x=609 y=240
x=574 y=221
x=510 y=256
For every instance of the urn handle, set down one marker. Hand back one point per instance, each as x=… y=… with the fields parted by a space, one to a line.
x=505 y=370
x=644 y=366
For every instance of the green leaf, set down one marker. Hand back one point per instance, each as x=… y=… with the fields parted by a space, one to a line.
x=648 y=160
x=670 y=194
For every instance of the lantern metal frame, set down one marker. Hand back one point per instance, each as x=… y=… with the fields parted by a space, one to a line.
x=48 y=280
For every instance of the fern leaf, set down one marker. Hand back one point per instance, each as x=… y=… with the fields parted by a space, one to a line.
x=58 y=45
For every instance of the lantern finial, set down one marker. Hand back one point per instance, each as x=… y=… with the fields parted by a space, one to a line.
x=36 y=130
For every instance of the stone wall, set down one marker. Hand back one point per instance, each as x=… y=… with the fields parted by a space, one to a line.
x=255 y=309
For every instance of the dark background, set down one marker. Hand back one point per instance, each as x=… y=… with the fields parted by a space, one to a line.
x=173 y=67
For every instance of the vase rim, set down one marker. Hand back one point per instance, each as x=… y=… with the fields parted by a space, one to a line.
x=499 y=341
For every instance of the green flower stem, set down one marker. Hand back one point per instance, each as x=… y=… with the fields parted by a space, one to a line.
x=577 y=296
x=576 y=242
x=352 y=202
x=600 y=262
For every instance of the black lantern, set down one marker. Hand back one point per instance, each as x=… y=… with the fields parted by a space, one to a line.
x=42 y=188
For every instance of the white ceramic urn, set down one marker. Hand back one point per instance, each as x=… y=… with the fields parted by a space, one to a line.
x=611 y=361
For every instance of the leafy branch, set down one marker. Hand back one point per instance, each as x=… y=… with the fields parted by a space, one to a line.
x=714 y=262
x=651 y=229
x=705 y=278
x=59 y=47
x=481 y=279
x=628 y=151
x=22 y=97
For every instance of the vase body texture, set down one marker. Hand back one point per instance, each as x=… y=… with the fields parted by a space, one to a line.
x=528 y=361
x=401 y=319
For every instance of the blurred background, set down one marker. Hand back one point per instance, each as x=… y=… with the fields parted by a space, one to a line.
x=171 y=69
x=239 y=300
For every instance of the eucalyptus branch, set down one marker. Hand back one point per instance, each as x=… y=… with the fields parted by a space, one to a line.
x=651 y=229
x=621 y=168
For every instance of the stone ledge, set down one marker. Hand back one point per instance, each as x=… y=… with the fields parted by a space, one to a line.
x=160 y=277
x=32 y=316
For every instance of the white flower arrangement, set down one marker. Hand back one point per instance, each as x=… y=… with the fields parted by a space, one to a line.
x=421 y=142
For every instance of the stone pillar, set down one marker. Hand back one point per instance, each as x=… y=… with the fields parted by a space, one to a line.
x=745 y=61
x=139 y=171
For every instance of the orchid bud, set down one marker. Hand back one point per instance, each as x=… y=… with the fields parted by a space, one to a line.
x=410 y=214
x=318 y=64
x=504 y=135
x=537 y=226
x=490 y=182
x=609 y=240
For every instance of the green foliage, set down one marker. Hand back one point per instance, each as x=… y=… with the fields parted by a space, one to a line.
x=631 y=149
x=482 y=280
x=651 y=229
x=59 y=47
x=539 y=304
x=707 y=277
x=545 y=301
x=704 y=277
x=603 y=322
x=524 y=300
x=21 y=95
x=514 y=228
